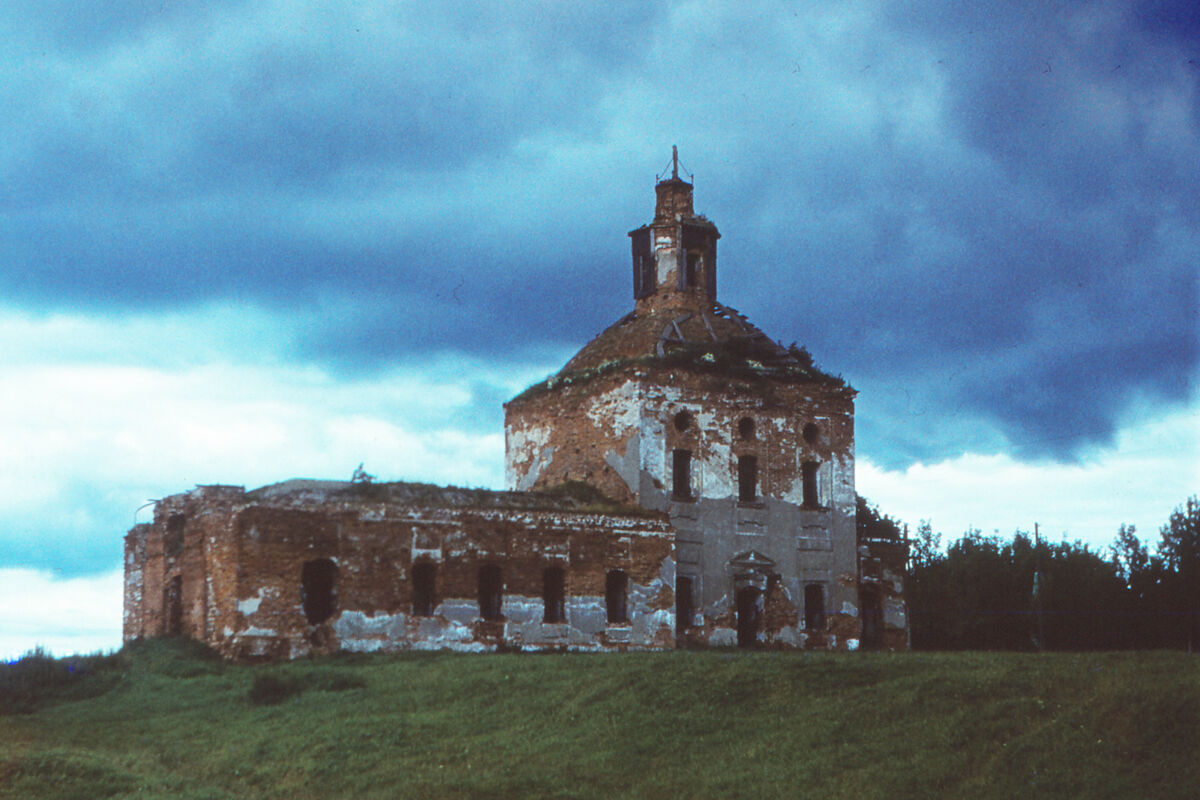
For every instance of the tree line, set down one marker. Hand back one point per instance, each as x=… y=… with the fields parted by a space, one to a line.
x=1026 y=593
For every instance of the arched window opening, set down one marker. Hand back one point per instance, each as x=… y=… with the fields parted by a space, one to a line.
x=814 y=607
x=616 y=596
x=318 y=590
x=683 y=421
x=811 y=433
x=491 y=591
x=424 y=587
x=746 y=427
x=554 y=595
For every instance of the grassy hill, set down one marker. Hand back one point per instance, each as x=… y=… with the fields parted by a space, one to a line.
x=163 y=719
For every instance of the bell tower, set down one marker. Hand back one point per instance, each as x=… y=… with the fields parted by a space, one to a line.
x=675 y=256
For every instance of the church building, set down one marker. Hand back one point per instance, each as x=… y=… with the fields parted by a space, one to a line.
x=683 y=481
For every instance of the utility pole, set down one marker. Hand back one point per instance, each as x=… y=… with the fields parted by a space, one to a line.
x=1040 y=638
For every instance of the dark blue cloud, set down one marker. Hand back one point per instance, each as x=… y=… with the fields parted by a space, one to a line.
x=990 y=208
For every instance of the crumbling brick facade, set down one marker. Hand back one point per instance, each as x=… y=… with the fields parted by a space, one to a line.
x=682 y=481
x=310 y=567
x=685 y=407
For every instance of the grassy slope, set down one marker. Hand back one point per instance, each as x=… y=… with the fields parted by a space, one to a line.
x=678 y=724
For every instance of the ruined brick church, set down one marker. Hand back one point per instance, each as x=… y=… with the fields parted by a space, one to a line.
x=684 y=481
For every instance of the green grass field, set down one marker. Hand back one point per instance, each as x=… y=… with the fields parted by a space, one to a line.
x=162 y=720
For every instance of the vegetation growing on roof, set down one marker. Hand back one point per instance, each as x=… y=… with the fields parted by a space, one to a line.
x=738 y=357
x=574 y=496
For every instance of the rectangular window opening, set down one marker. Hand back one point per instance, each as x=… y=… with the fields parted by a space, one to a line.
x=685 y=602
x=747 y=479
x=809 y=469
x=554 y=594
x=616 y=596
x=681 y=474
x=318 y=590
x=814 y=607
x=424 y=582
x=173 y=541
x=491 y=591
x=173 y=607
x=692 y=269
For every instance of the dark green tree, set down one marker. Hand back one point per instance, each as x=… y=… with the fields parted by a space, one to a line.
x=874 y=525
x=925 y=548
x=1130 y=557
x=1179 y=547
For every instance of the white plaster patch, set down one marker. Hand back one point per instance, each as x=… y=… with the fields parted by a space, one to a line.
x=620 y=408
x=852 y=644
x=538 y=465
x=626 y=466
x=528 y=438
x=519 y=609
x=459 y=610
x=666 y=572
x=526 y=454
x=894 y=613
x=849 y=609
x=722 y=637
x=253 y=631
x=250 y=604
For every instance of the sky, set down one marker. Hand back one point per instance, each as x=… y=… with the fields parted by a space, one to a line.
x=244 y=242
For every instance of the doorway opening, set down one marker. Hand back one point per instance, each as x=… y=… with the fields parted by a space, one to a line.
x=747 y=616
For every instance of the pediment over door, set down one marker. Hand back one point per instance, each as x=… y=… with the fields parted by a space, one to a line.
x=751 y=561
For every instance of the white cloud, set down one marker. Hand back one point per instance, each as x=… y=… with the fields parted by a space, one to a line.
x=76 y=615
x=89 y=437
x=1151 y=469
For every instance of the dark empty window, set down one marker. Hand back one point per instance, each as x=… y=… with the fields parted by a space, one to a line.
x=692 y=269
x=318 y=590
x=870 y=611
x=424 y=584
x=491 y=591
x=173 y=541
x=685 y=603
x=811 y=433
x=616 y=596
x=681 y=474
x=746 y=428
x=809 y=468
x=814 y=607
x=173 y=607
x=553 y=593
x=747 y=478
x=683 y=421
x=747 y=616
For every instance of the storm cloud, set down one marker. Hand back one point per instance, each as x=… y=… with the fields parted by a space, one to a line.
x=983 y=215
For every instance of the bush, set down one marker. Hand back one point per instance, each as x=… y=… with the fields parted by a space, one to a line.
x=37 y=678
x=273 y=688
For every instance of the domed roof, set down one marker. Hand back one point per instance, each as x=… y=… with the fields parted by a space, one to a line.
x=708 y=337
x=655 y=333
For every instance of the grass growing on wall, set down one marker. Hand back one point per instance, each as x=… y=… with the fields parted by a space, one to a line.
x=677 y=724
